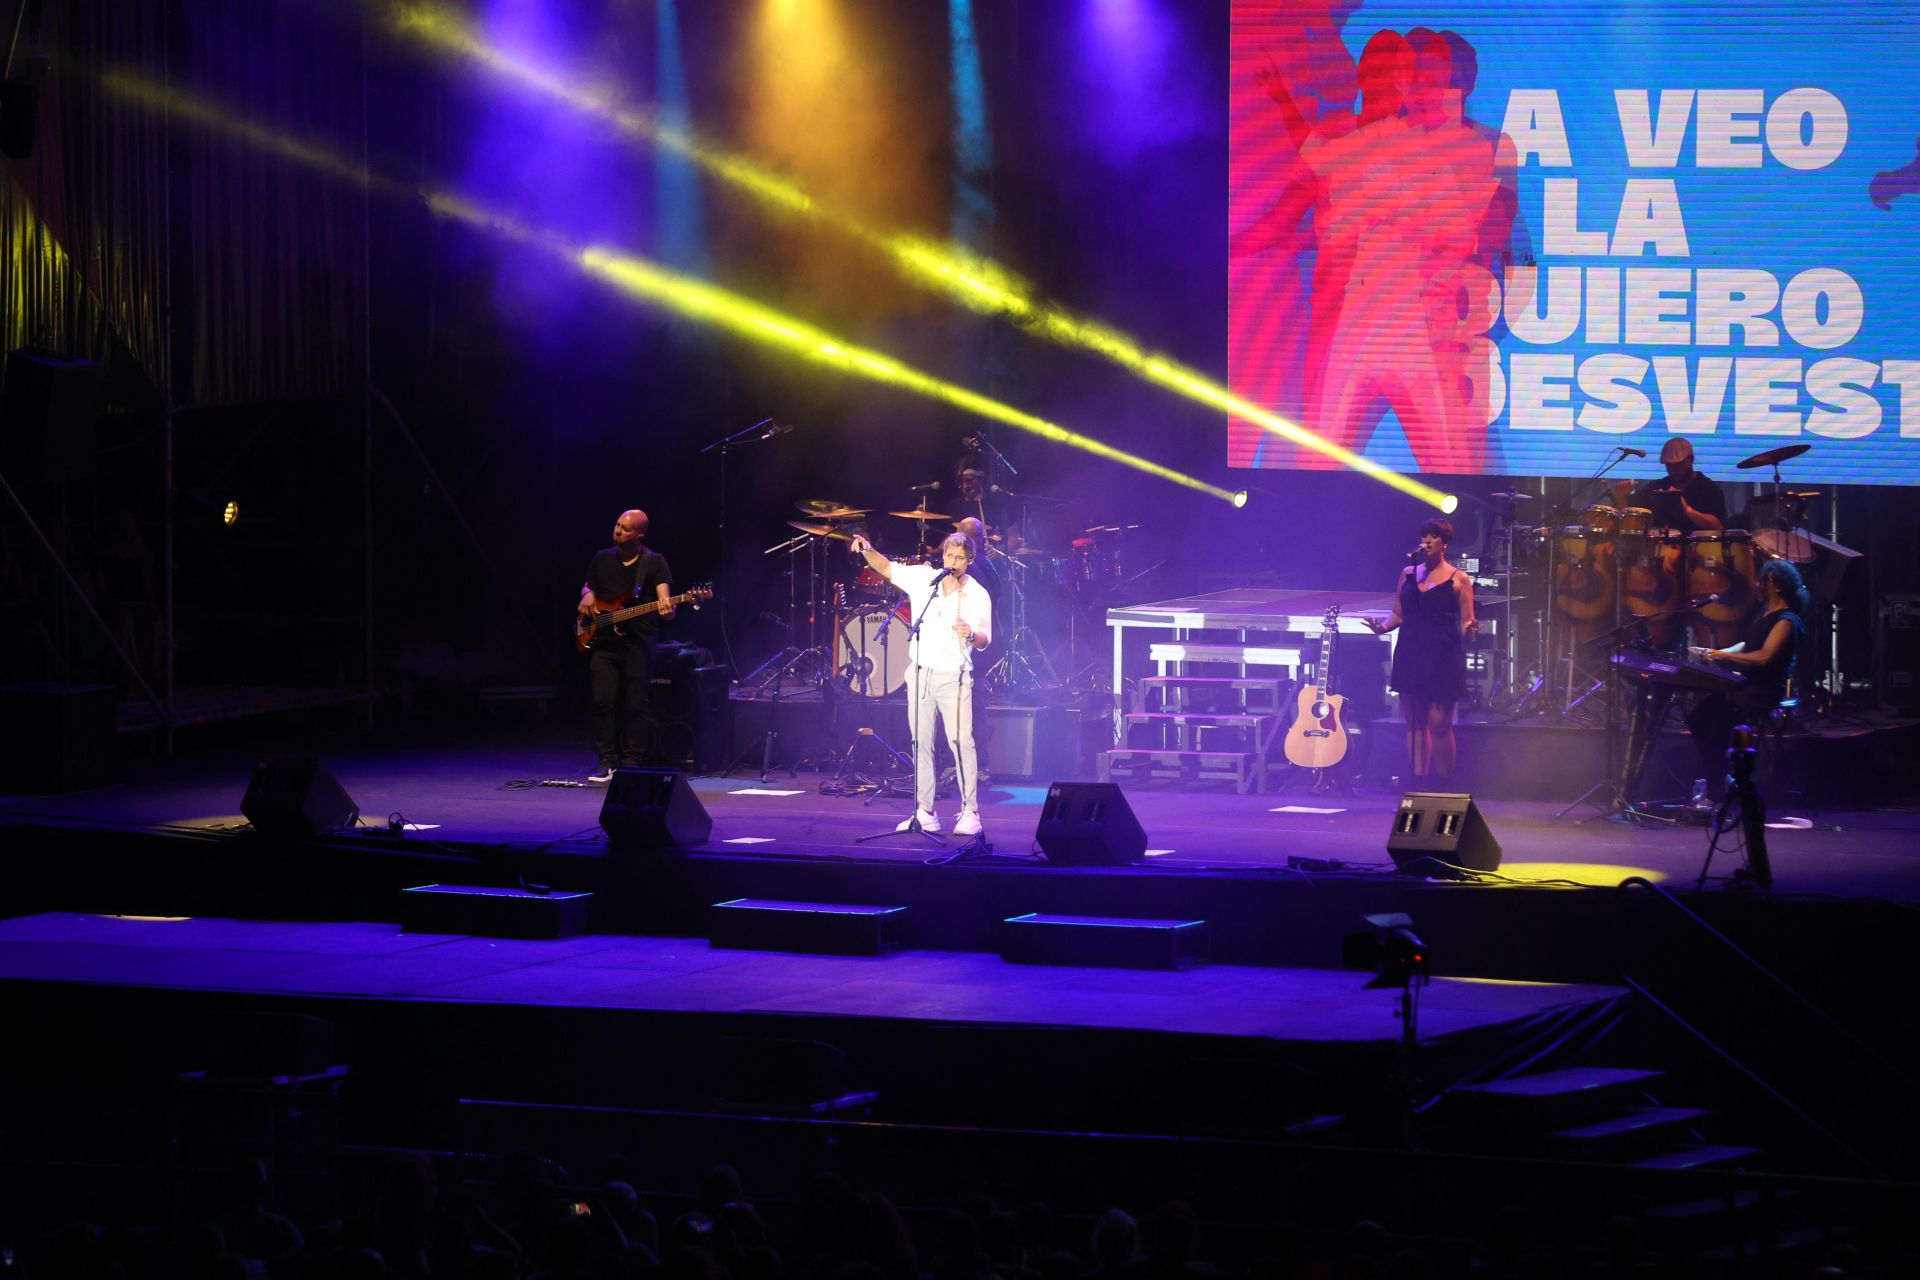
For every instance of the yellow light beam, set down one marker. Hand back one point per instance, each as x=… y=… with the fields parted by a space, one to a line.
x=975 y=282
x=642 y=278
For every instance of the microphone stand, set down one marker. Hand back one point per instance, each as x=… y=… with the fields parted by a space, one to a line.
x=723 y=444
x=913 y=826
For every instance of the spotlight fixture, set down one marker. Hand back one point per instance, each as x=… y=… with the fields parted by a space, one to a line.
x=1239 y=499
x=1390 y=948
x=230 y=514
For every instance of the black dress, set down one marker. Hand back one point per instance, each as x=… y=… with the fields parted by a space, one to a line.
x=1429 y=663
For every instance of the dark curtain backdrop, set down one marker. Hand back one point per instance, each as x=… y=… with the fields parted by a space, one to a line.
x=276 y=291
x=83 y=216
x=268 y=283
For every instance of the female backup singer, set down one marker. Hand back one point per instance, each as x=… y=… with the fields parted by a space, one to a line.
x=1433 y=602
x=1765 y=656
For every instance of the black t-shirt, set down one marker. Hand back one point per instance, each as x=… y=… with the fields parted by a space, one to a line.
x=1700 y=493
x=609 y=579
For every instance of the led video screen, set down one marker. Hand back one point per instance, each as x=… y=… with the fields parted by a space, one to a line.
x=1515 y=238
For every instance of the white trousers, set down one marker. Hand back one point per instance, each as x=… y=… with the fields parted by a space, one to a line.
x=950 y=694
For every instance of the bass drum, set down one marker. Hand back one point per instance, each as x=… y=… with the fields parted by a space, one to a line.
x=870 y=651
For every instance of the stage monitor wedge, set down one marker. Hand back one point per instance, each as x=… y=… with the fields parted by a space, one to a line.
x=297 y=796
x=653 y=809
x=1089 y=824
x=1433 y=827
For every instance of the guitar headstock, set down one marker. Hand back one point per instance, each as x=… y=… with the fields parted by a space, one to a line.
x=696 y=596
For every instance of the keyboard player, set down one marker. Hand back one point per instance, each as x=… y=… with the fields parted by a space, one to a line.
x=1765 y=656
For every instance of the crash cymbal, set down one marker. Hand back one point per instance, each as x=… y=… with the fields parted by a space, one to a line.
x=1772 y=456
x=1514 y=495
x=919 y=515
x=826 y=509
x=1032 y=553
x=819 y=530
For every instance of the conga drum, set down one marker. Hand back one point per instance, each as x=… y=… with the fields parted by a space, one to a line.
x=1653 y=581
x=1600 y=520
x=1583 y=580
x=1635 y=522
x=1720 y=563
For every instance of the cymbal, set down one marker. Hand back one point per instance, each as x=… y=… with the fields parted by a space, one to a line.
x=919 y=515
x=826 y=509
x=819 y=530
x=1772 y=456
x=1032 y=552
x=1514 y=495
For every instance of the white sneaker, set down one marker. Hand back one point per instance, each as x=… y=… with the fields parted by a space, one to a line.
x=929 y=823
x=605 y=774
x=969 y=824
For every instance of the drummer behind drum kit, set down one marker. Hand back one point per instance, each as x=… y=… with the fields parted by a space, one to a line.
x=863 y=648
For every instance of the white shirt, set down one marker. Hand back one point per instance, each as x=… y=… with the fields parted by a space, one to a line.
x=937 y=648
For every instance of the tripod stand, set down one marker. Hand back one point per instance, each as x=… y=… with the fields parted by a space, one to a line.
x=1743 y=796
x=1021 y=666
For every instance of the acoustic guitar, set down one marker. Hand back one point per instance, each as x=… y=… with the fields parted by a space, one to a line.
x=609 y=614
x=1318 y=738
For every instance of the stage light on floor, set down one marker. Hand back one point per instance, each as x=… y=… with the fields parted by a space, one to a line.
x=1390 y=948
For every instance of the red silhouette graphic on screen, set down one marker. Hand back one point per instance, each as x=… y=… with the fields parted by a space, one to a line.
x=1291 y=53
x=1412 y=206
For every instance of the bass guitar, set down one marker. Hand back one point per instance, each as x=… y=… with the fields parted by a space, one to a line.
x=1318 y=738
x=609 y=614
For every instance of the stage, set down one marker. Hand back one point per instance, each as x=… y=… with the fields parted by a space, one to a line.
x=147 y=914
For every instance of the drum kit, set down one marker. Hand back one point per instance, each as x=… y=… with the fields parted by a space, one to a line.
x=1614 y=572
x=848 y=628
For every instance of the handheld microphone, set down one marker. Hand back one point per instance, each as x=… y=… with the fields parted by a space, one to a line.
x=923 y=488
x=1632 y=452
x=777 y=429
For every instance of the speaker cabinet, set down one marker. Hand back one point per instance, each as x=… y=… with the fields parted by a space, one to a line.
x=1089 y=824
x=1432 y=826
x=653 y=809
x=297 y=796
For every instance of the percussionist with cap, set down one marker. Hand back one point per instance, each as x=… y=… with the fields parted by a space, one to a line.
x=1682 y=499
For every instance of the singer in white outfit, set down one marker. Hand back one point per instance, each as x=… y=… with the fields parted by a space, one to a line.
x=956 y=621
